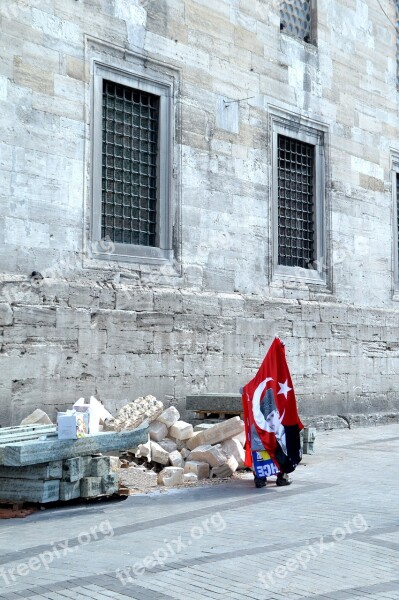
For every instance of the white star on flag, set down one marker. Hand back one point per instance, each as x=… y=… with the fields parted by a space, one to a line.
x=284 y=388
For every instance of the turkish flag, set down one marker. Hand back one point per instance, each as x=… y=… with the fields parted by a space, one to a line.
x=272 y=423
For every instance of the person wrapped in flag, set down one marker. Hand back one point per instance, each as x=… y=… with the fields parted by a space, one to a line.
x=272 y=424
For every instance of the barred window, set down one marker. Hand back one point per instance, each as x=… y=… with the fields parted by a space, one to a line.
x=133 y=145
x=300 y=219
x=129 y=165
x=296 y=225
x=296 y=18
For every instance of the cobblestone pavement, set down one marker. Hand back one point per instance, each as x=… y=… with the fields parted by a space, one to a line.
x=332 y=535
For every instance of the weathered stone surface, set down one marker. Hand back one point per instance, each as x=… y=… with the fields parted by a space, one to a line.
x=225 y=470
x=213 y=455
x=137 y=478
x=241 y=438
x=100 y=466
x=36 y=418
x=233 y=447
x=181 y=430
x=190 y=478
x=134 y=413
x=52 y=470
x=110 y=484
x=90 y=487
x=158 y=454
x=185 y=452
x=29 y=490
x=6 y=315
x=169 y=416
x=40 y=451
x=176 y=459
x=143 y=450
x=73 y=469
x=215 y=403
x=69 y=490
x=171 y=476
x=200 y=469
x=217 y=433
x=168 y=445
x=158 y=431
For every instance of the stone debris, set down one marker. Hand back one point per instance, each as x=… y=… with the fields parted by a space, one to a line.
x=171 y=476
x=181 y=431
x=179 y=449
x=138 y=478
x=176 y=459
x=200 y=469
x=158 y=454
x=158 y=431
x=135 y=413
x=213 y=455
x=38 y=417
x=169 y=416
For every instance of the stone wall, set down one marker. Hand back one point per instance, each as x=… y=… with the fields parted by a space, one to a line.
x=203 y=322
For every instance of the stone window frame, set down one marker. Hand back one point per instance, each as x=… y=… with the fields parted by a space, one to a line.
x=313 y=26
x=395 y=216
x=138 y=72
x=315 y=133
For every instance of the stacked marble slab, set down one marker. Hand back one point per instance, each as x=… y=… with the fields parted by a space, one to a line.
x=35 y=466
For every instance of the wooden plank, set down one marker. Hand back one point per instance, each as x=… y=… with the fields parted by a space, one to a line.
x=43 y=451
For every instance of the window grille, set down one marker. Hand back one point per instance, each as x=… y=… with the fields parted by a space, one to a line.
x=130 y=123
x=295 y=18
x=296 y=222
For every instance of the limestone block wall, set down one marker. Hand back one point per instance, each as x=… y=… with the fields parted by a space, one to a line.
x=203 y=322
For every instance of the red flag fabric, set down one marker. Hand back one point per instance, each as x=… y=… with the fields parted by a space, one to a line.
x=272 y=423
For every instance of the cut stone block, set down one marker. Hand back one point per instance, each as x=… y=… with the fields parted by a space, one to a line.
x=158 y=454
x=50 y=471
x=86 y=465
x=217 y=433
x=225 y=470
x=201 y=469
x=215 y=403
x=168 y=445
x=28 y=490
x=72 y=469
x=38 y=417
x=241 y=437
x=114 y=463
x=43 y=451
x=110 y=484
x=169 y=416
x=69 y=490
x=158 y=431
x=90 y=487
x=137 y=478
x=190 y=478
x=170 y=476
x=185 y=452
x=143 y=450
x=233 y=447
x=176 y=459
x=213 y=455
x=181 y=430
x=100 y=466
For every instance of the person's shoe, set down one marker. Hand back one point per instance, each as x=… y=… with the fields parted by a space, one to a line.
x=283 y=480
x=260 y=482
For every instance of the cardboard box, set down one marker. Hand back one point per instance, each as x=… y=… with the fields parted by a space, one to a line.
x=72 y=425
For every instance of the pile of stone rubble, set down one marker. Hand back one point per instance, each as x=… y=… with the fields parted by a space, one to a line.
x=176 y=454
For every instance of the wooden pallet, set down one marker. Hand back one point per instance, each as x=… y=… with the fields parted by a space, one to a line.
x=205 y=415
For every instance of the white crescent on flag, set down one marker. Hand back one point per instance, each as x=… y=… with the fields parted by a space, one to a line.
x=273 y=424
